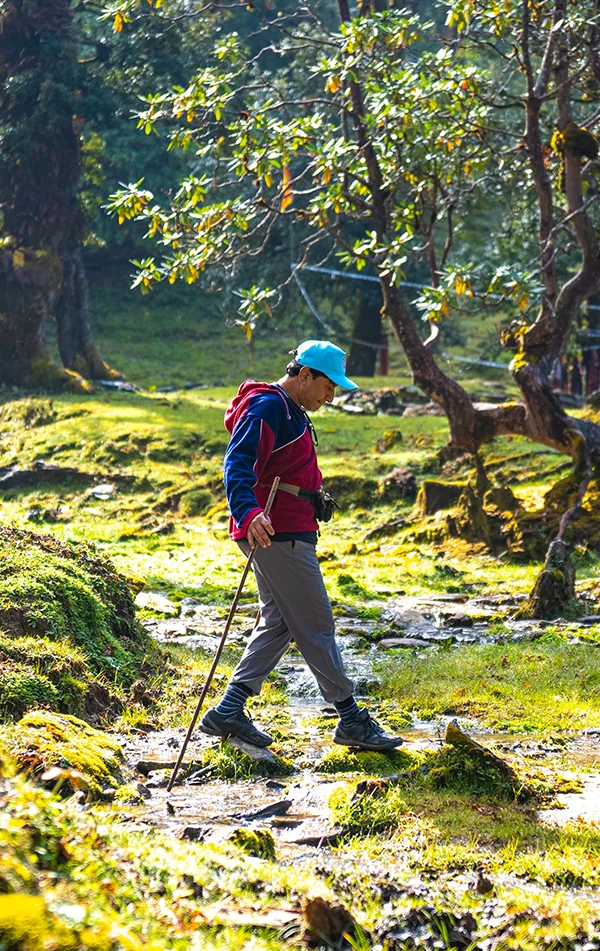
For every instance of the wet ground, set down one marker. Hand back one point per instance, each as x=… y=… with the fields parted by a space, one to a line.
x=295 y=808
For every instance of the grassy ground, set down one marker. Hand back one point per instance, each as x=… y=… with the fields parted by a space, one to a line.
x=415 y=845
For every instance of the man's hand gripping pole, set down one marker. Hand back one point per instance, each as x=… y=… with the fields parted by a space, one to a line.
x=215 y=662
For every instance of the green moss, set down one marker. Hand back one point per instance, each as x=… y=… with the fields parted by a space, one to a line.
x=472 y=773
x=129 y=794
x=61 y=664
x=20 y=690
x=196 y=502
x=41 y=740
x=349 y=586
x=344 y=760
x=28 y=413
x=257 y=842
x=68 y=616
x=368 y=814
x=230 y=763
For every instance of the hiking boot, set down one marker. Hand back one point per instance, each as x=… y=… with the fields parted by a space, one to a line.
x=241 y=726
x=366 y=734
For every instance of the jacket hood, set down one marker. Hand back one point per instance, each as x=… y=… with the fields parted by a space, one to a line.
x=247 y=391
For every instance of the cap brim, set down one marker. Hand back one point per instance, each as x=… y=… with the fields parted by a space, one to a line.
x=344 y=382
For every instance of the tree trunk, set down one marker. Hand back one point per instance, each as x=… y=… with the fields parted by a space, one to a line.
x=40 y=90
x=29 y=281
x=75 y=342
x=362 y=359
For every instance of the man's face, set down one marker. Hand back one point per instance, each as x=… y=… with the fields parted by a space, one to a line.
x=315 y=392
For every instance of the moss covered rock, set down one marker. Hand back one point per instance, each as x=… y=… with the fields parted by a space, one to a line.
x=371 y=764
x=229 y=761
x=257 y=842
x=555 y=585
x=69 y=639
x=41 y=740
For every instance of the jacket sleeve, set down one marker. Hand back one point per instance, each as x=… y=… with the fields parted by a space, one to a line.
x=247 y=454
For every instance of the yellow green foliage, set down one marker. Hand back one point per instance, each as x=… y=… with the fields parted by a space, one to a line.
x=230 y=763
x=41 y=740
x=344 y=760
x=257 y=842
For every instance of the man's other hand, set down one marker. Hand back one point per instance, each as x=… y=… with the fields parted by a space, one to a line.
x=259 y=530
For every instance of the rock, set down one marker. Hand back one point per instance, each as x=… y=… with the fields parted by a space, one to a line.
x=589 y=619
x=158 y=778
x=156 y=601
x=483 y=885
x=257 y=842
x=393 y=643
x=200 y=776
x=401 y=483
x=123 y=385
x=143 y=791
x=274 y=809
x=366 y=686
x=325 y=922
x=408 y=618
x=387 y=528
x=471 y=520
x=457 y=620
x=462 y=741
x=434 y=496
x=428 y=409
x=568 y=401
x=188 y=606
x=555 y=586
x=273 y=784
x=316 y=831
x=102 y=492
x=165 y=528
x=140 y=694
x=386 y=402
x=257 y=753
x=194 y=833
x=176 y=627
x=502 y=498
x=593 y=400
x=390 y=438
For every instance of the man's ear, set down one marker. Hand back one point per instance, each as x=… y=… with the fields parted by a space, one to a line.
x=304 y=374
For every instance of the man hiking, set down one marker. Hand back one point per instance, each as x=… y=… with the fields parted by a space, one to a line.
x=272 y=435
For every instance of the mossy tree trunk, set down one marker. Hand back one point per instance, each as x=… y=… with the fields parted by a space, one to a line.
x=28 y=283
x=76 y=345
x=43 y=225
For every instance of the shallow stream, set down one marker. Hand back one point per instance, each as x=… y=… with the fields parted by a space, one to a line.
x=210 y=810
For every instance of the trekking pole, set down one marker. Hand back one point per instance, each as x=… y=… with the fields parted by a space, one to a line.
x=215 y=662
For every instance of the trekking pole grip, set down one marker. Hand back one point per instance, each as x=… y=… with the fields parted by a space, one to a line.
x=215 y=662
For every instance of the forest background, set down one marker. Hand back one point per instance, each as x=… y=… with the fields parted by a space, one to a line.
x=163 y=167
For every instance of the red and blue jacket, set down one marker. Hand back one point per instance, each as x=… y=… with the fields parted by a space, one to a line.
x=269 y=437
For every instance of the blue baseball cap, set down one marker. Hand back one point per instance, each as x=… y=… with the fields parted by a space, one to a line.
x=326 y=357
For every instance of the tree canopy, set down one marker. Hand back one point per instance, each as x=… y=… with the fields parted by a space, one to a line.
x=381 y=138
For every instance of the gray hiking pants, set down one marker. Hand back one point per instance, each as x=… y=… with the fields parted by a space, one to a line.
x=293 y=606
